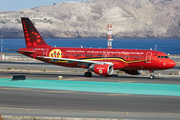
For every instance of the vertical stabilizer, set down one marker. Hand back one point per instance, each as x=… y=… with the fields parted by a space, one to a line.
x=32 y=37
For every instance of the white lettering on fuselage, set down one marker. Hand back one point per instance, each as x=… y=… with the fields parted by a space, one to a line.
x=106 y=52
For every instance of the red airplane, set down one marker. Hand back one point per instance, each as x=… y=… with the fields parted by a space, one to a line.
x=97 y=60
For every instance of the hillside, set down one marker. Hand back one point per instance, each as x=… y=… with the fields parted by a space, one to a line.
x=130 y=19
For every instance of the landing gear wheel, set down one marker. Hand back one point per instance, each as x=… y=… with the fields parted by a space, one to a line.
x=108 y=76
x=87 y=74
x=151 y=74
x=152 y=77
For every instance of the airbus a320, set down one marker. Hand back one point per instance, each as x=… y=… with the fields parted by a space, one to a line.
x=98 y=60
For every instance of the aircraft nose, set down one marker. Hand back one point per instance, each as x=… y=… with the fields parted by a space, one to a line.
x=170 y=64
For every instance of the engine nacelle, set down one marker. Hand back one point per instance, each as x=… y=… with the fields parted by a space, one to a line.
x=104 y=70
x=133 y=72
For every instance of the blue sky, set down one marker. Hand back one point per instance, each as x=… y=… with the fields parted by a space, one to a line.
x=15 y=5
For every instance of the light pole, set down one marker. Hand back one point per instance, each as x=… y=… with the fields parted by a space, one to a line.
x=1 y=47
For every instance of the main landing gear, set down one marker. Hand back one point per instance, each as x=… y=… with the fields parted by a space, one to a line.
x=151 y=74
x=90 y=68
x=88 y=74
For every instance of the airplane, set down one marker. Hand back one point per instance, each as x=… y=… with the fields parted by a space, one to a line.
x=101 y=61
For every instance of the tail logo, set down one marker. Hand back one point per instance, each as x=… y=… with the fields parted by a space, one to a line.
x=32 y=36
x=56 y=53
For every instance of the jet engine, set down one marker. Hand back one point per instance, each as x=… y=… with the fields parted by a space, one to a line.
x=104 y=70
x=133 y=72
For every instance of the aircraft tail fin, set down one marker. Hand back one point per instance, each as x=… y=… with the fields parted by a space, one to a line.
x=32 y=37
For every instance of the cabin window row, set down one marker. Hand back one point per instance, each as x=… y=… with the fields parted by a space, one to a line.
x=91 y=55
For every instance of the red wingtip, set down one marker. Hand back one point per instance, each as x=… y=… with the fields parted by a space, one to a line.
x=32 y=37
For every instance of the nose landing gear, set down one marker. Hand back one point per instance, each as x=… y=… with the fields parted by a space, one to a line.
x=151 y=74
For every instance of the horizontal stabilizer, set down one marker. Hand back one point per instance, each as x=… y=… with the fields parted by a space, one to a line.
x=21 y=50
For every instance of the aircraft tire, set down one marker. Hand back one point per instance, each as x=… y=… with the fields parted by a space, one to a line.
x=108 y=76
x=152 y=77
x=87 y=74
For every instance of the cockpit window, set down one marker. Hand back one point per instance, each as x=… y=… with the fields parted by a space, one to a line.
x=162 y=57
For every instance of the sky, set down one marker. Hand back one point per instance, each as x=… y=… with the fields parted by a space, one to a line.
x=15 y=5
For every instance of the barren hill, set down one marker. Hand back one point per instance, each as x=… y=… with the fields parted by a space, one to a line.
x=130 y=18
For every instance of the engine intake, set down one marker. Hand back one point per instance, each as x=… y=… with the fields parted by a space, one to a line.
x=104 y=70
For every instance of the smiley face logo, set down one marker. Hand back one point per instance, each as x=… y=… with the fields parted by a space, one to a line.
x=100 y=71
x=56 y=53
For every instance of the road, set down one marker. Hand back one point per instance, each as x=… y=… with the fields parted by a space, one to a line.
x=16 y=101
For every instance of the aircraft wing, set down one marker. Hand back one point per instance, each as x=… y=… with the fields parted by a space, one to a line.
x=80 y=61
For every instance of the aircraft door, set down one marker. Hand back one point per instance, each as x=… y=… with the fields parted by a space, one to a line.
x=148 y=57
x=45 y=52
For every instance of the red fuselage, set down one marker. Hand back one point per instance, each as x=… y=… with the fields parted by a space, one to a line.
x=121 y=58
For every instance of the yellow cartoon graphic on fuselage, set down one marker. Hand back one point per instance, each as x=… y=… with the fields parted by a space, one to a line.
x=56 y=53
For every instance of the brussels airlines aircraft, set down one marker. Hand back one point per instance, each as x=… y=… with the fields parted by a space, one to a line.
x=97 y=60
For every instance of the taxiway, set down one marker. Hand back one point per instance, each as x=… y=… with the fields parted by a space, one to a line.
x=21 y=101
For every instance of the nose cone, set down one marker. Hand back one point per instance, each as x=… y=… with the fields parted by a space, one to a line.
x=170 y=64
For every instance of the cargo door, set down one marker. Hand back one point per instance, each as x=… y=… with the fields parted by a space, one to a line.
x=45 y=52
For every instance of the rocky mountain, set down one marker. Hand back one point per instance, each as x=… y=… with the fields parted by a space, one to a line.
x=130 y=19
